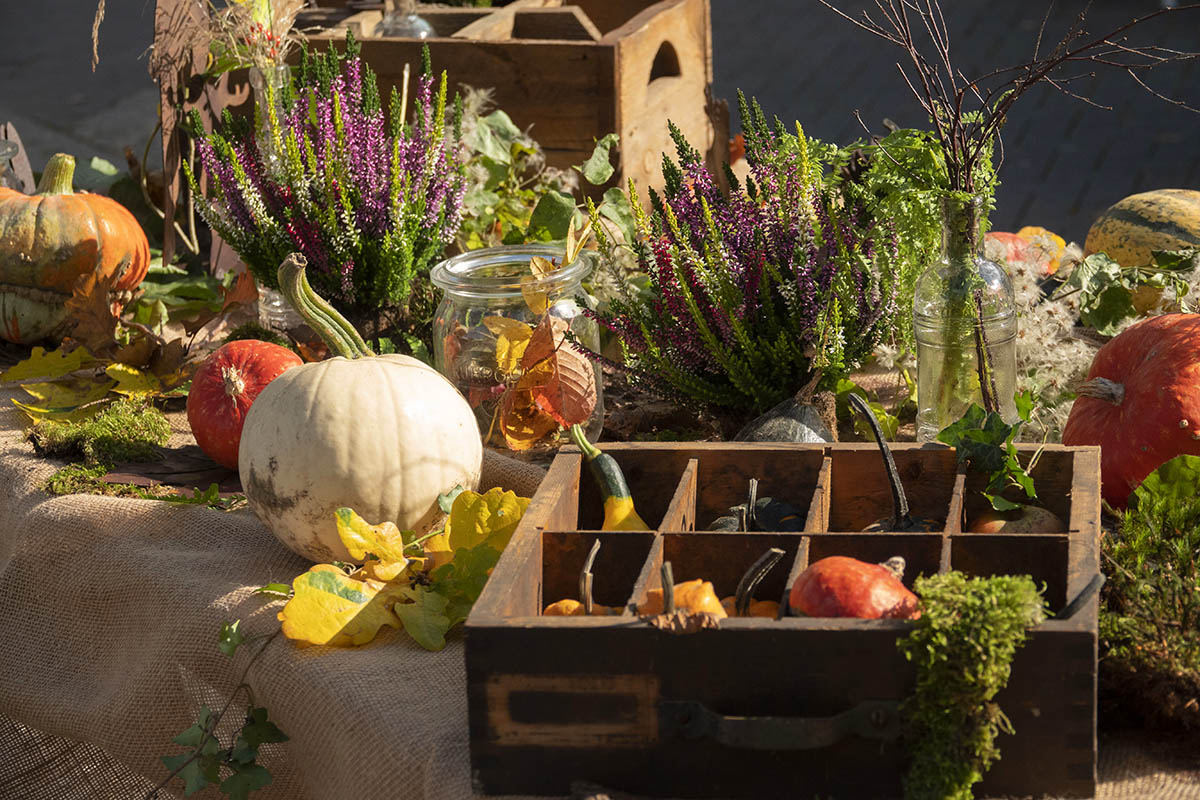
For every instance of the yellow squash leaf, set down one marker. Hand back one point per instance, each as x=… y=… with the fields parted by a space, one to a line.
x=52 y=364
x=490 y=517
x=133 y=382
x=437 y=550
x=329 y=607
x=384 y=542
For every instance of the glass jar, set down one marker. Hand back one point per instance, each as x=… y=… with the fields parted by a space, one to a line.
x=275 y=312
x=400 y=19
x=500 y=336
x=965 y=323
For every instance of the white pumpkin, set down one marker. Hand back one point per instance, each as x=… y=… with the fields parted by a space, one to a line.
x=384 y=435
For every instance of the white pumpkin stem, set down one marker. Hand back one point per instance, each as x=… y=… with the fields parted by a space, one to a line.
x=58 y=176
x=334 y=329
x=1102 y=389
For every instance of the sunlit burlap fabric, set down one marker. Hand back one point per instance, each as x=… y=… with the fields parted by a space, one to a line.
x=109 y=612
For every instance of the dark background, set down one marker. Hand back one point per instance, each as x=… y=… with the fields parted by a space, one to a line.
x=1065 y=161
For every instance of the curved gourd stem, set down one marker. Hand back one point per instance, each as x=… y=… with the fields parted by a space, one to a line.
x=59 y=175
x=749 y=582
x=334 y=329
x=1102 y=389
x=585 y=579
x=899 y=502
x=580 y=440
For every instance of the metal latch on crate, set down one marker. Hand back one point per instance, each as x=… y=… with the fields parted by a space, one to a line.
x=870 y=719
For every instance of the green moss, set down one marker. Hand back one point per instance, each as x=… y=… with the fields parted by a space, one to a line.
x=127 y=430
x=252 y=330
x=1150 y=611
x=80 y=479
x=962 y=647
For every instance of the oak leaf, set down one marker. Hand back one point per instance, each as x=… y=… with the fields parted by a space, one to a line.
x=383 y=542
x=48 y=364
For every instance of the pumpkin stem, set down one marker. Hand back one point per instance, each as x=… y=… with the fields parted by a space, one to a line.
x=1102 y=389
x=901 y=518
x=332 y=327
x=586 y=578
x=59 y=175
x=579 y=439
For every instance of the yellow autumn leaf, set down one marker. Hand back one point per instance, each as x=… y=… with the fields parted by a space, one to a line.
x=329 y=607
x=535 y=297
x=384 y=542
x=512 y=337
x=489 y=517
x=48 y=364
x=38 y=413
x=437 y=550
x=68 y=394
x=133 y=382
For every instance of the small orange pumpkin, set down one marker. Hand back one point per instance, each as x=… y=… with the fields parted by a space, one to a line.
x=49 y=240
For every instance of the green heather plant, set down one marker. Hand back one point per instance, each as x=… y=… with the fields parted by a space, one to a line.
x=756 y=294
x=370 y=210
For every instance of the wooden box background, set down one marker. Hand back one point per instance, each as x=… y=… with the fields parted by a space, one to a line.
x=570 y=73
x=559 y=699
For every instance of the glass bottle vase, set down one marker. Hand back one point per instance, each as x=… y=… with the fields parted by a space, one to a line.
x=503 y=338
x=965 y=322
x=400 y=19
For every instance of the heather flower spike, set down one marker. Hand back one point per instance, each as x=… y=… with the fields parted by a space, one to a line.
x=758 y=291
x=371 y=209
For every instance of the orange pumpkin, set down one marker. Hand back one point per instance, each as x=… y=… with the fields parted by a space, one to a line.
x=49 y=240
x=1141 y=402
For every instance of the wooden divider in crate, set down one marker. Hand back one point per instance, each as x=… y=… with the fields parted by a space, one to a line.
x=813 y=703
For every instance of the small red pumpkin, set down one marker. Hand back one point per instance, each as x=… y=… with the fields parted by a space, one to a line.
x=839 y=586
x=224 y=388
x=1141 y=402
x=49 y=240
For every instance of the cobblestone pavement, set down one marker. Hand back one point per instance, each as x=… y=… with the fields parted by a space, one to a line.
x=1065 y=161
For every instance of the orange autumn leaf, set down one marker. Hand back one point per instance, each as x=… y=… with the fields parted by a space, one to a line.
x=243 y=292
x=546 y=338
x=95 y=316
x=569 y=395
x=522 y=423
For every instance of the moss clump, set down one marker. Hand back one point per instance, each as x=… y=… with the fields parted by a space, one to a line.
x=962 y=646
x=1150 y=610
x=80 y=479
x=126 y=430
x=252 y=330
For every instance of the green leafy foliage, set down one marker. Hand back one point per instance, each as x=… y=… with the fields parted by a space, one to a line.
x=230 y=637
x=962 y=647
x=210 y=497
x=1150 y=653
x=887 y=421
x=1111 y=296
x=987 y=444
x=126 y=430
x=598 y=169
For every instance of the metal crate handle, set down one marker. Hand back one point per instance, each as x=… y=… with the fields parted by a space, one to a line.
x=870 y=719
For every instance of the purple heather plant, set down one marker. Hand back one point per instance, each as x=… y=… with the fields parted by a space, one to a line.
x=756 y=293
x=370 y=209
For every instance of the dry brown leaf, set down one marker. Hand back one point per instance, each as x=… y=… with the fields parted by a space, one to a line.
x=569 y=395
x=547 y=337
x=95 y=322
x=243 y=292
x=522 y=423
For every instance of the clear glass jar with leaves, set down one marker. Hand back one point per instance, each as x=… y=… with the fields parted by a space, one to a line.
x=965 y=325
x=505 y=335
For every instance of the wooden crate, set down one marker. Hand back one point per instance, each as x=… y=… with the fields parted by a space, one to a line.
x=617 y=702
x=570 y=73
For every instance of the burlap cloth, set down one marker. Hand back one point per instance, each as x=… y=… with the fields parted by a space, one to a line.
x=109 y=612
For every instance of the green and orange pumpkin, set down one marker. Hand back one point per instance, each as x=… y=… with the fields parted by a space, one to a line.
x=51 y=239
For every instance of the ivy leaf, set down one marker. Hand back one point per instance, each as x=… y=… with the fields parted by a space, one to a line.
x=48 y=364
x=488 y=518
x=550 y=217
x=423 y=619
x=617 y=209
x=329 y=607
x=230 y=637
x=257 y=730
x=445 y=501
x=385 y=542
x=1024 y=403
x=195 y=775
x=194 y=735
x=245 y=779
x=598 y=169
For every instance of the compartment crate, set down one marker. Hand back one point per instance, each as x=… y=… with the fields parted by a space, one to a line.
x=572 y=72
x=764 y=708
